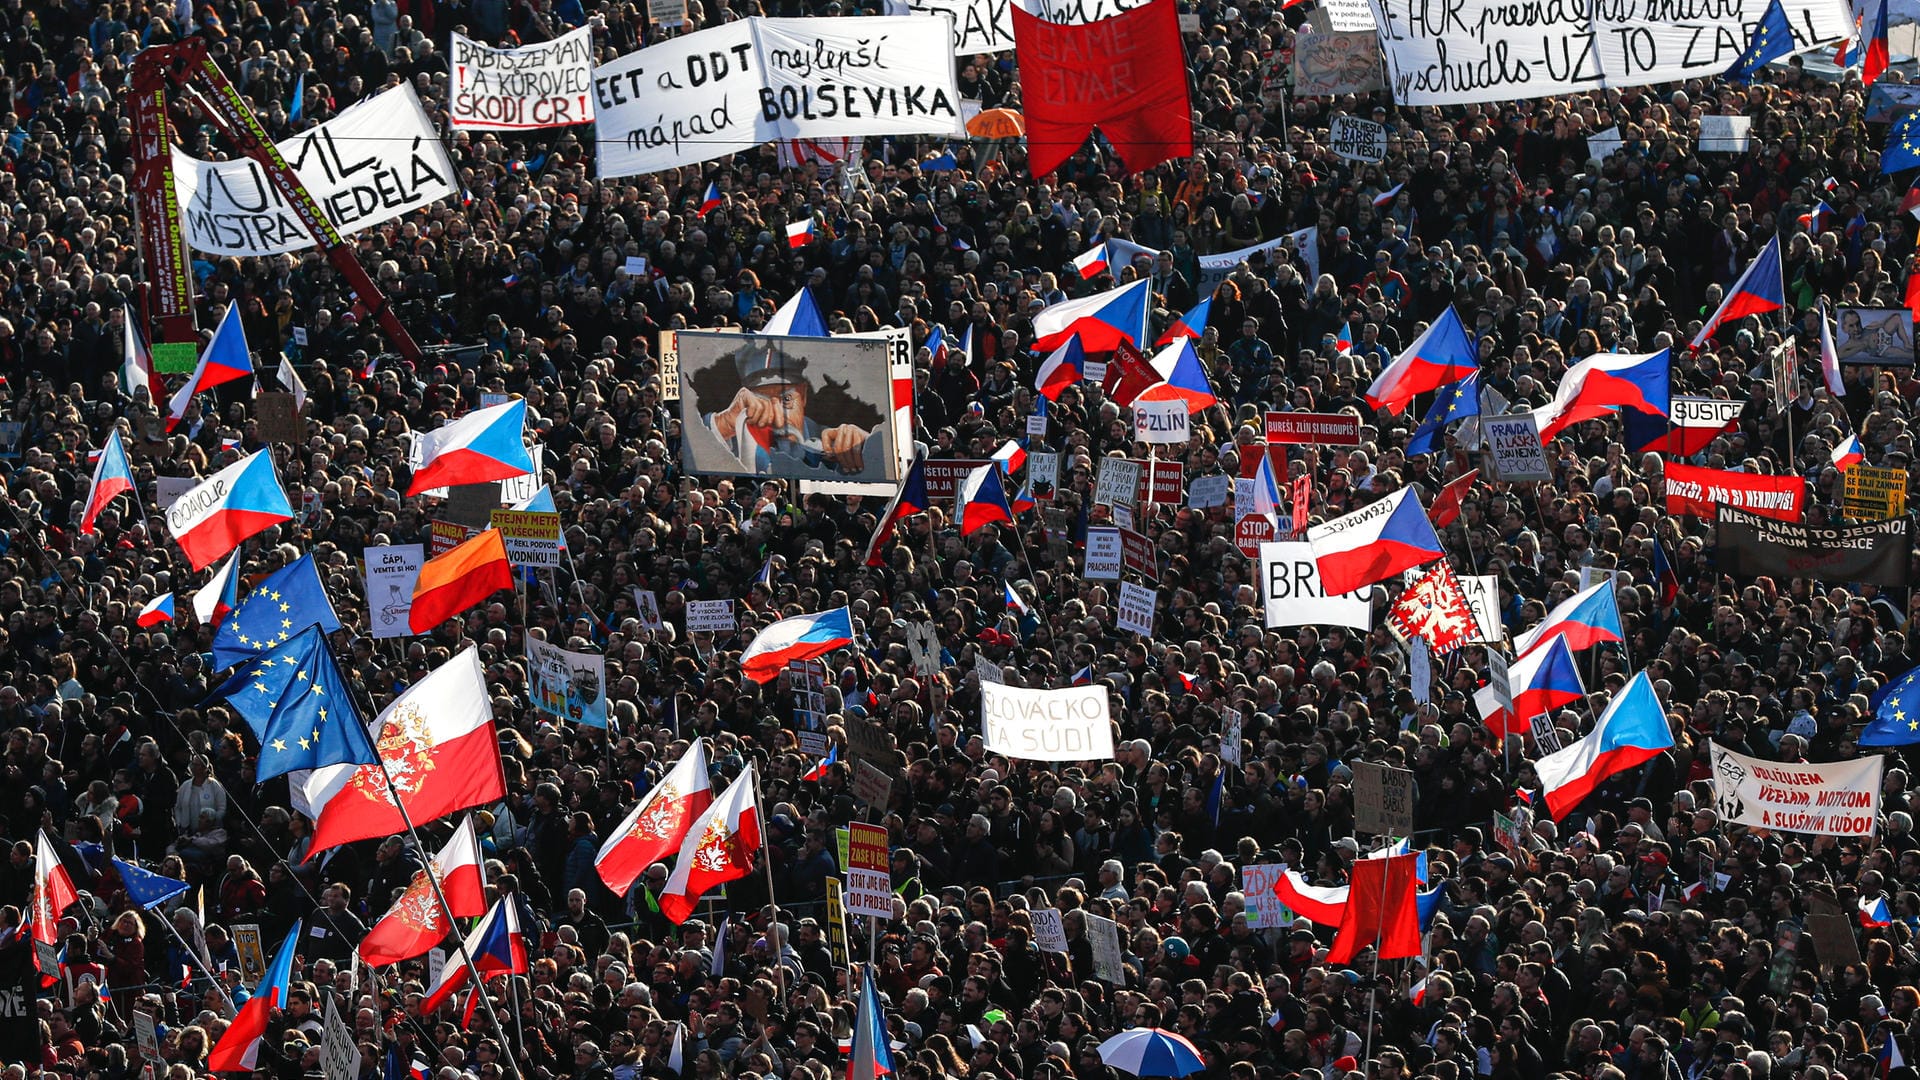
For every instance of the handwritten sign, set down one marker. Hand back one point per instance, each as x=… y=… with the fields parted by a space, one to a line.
x=1355 y=139
x=544 y=85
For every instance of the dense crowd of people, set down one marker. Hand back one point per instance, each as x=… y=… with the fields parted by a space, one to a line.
x=1570 y=947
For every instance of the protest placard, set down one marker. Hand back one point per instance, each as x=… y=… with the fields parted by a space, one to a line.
x=544 y=85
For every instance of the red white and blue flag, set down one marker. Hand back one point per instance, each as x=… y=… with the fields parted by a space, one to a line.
x=1343 y=341
x=1191 y=325
x=911 y=499
x=819 y=770
x=239 y=1047
x=1848 y=453
x=1109 y=255
x=1373 y=543
x=1013 y=599
x=1817 y=219
x=158 y=610
x=1323 y=904
x=1874 y=913
x=1063 y=367
x=982 y=500
x=1589 y=617
x=1602 y=383
x=1442 y=355
x=112 y=477
x=136 y=362
x=497 y=947
x=711 y=201
x=1542 y=681
x=1385 y=198
x=225 y=360
x=1185 y=378
x=486 y=444
x=239 y=501
x=1758 y=291
x=1630 y=733
x=798 y=317
x=872 y=1054
x=1877 y=56
x=801 y=637
x=220 y=595
x=1012 y=455
x=1102 y=320
x=800 y=233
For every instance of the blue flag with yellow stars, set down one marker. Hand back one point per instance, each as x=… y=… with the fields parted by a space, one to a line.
x=1903 y=143
x=1772 y=39
x=1455 y=401
x=284 y=603
x=1896 y=713
x=298 y=705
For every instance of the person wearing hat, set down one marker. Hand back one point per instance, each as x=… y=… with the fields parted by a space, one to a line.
x=767 y=427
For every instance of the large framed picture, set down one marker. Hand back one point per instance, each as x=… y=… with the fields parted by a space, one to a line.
x=1871 y=335
x=806 y=408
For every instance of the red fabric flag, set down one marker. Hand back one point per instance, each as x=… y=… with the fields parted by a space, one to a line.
x=658 y=826
x=720 y=847
x=1913 y=290
x=1381 y=906
x=1446 y=505
x=1434 y=608
x=1127 y=74
x=416 y=923
x=1128 y=374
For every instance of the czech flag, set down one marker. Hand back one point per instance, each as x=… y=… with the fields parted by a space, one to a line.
x=158 y=610
x=1323 y=904
x=1848 y=453
x=112 y=476
x=1631 y=732
x=711 y=201
x=239 y=1047
x=911 y=499
x=459 y=578
x=1343 y=341
x=801 y=637
x=1013 y=600
x=1601 y=383
x=982 y=500
x=1758 y=291
x=220 y=595
x=1102 y=320
x=1876 y=59
x=1874 y=914
x=1589 y=617
x=819 y=770
x=1817 y=219
x=1373 y=543
x=1109 y=255
x=871 y=1057
x=1024 y=501
x=1191 y=325
x=1441 y=355
x=1385 y=198
x=1012 y=455
x=1185 y=378
x=136 y=362
x=1417 y=993
x=798 y=317
x=226 y=359
x=937 y=347
x=1542 y=681
x=486 y=444
x=1830 y=356
x=800 y=233
x=1665 y=579
x=239 y=501
x=1062 y=368
x=497 y=947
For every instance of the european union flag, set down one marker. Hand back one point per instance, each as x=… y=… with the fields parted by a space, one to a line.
x=1896 y=713
x=1772 y=39
x=1903 y=143
x=146 y=888
x=298 y=705
x=1454 y=401
x=285 y=602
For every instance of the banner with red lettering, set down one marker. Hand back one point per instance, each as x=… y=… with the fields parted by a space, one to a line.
x=1696 y=491
x=1840 y=798
x=1126 y=74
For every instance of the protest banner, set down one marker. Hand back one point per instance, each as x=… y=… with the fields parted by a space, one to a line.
x=1134 y=612
x=1839 y=798
x=871 y=785
x=1049 y=931
x=1514 y=452
x=545 y=85
x=532 y=536
x=1876 y=553
x=1355 y=139
x=1335 y=63
x=390 y=574
x=986 y=26
x=1264 y=909
x=1162 y=423
x=869 y=886
x=733 y=87
x=1697 y=491
x=1160 y=481
x=722 y=372
x=1476 y=51
x=372 y=163
x=709 y=616
x=1872 y=494
x=1382 y=799
x=1290 y=590
x=1118 y=483
x=1215 y=268
x=1103 y=934
x=1316 y=429
x=1046 y=725
x=1105 y=559
x=1725 y=134
x=567 y=685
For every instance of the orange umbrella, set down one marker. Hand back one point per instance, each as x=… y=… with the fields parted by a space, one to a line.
x=997 y=124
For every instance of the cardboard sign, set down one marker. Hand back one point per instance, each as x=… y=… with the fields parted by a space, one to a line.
x=1264 y=909
x=1104 y=559
x=339 y=1053
x=871 y=785
x=709 y=616
x=1071 y=724
x=1049 y=931
x=1833 y=941
x=1136 y=607
x=1043 y=475
x=1355 y=139
x=1314 y=429
x=868 y=741
x=1499 y=679
x=146 y=1036
x=869 y=886
x=1104 y=935
x=1382 y=799
x=532 y=536
x=390 y=575
x=1513 y=447
x=278 y=418
x=1420 y=670
x=1118 y=483
x=1872 y=494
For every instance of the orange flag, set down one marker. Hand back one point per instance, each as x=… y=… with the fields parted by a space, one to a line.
x=457 y=580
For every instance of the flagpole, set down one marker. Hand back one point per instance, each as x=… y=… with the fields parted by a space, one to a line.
x=766 y=858
x=205 y=965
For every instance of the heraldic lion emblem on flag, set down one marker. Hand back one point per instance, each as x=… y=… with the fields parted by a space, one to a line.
x=404 y=746
x=660 y=816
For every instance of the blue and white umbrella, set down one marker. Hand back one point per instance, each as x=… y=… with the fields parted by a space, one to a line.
x=1152 y=1052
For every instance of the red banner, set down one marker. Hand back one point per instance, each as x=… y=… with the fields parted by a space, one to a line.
x=1127 y=74
x=1161 y=482
x=1696 y=491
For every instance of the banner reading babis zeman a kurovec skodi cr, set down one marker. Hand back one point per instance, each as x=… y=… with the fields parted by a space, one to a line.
x=1046 y=725
x=733 y=87
x=549 y=84
x=1839 y=798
